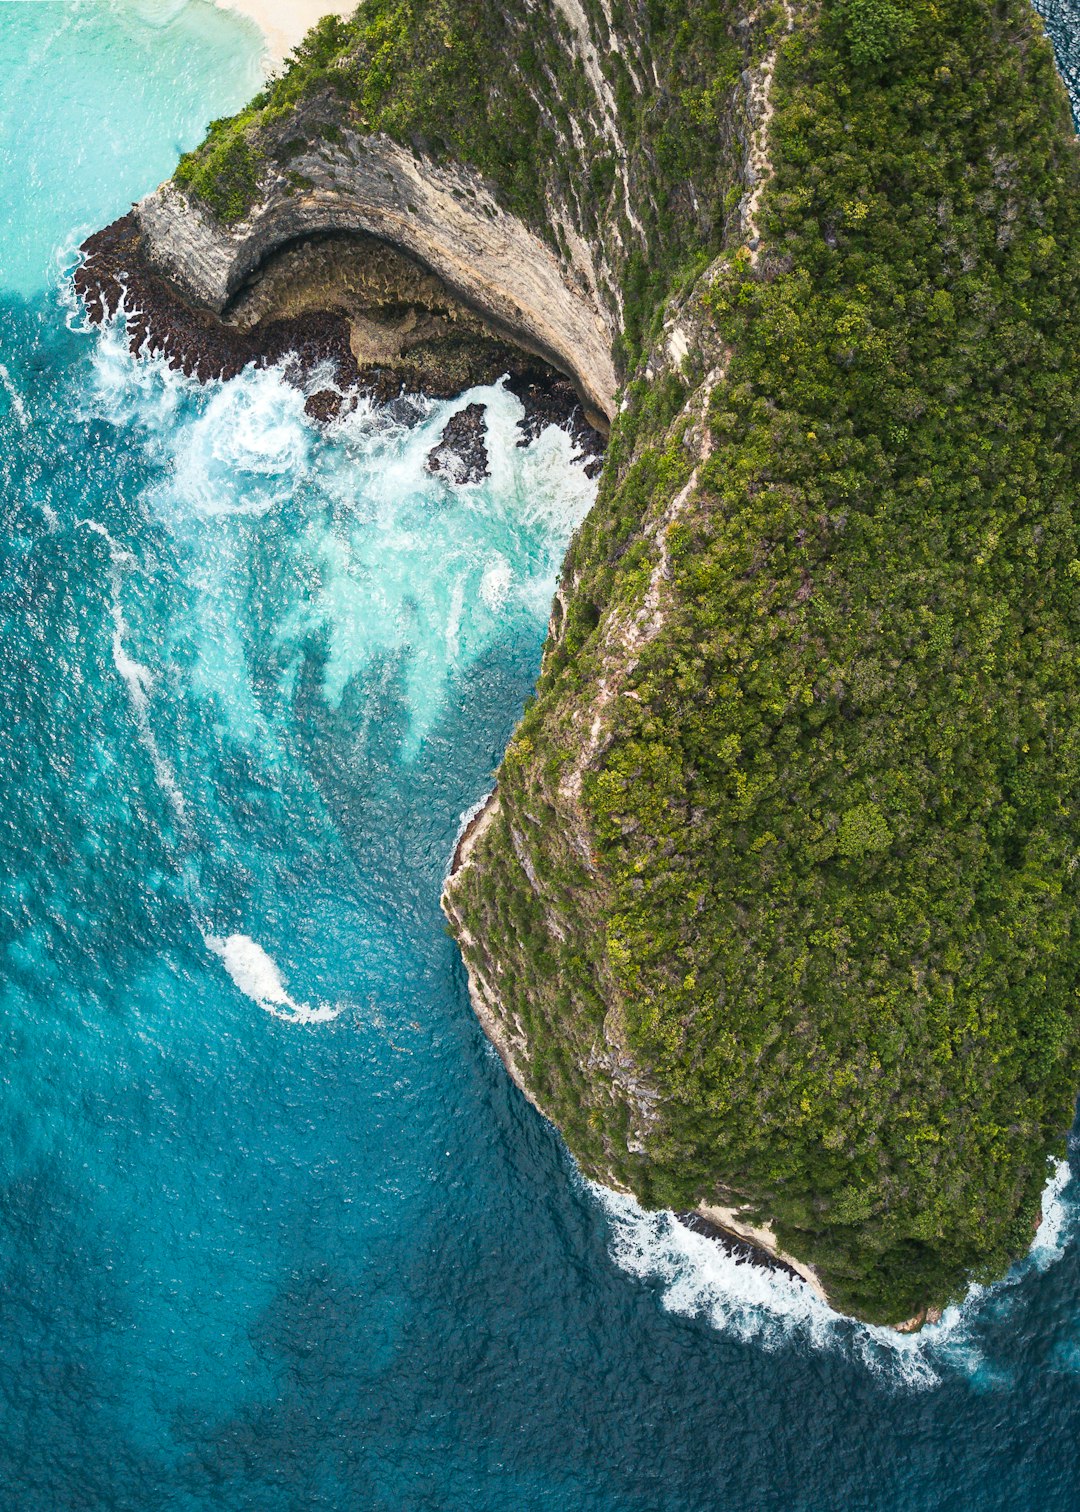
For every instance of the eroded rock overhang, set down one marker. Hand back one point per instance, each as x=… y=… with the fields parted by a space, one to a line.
x=444 y=216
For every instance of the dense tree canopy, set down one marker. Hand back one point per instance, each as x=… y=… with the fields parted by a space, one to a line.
x=833 y=890
x=798 y=929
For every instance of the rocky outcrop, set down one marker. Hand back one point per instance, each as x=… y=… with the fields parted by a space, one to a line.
x=348 y=305
x=461 y=455
x=443 y=216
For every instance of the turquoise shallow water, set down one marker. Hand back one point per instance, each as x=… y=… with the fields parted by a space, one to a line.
x=276 y=1233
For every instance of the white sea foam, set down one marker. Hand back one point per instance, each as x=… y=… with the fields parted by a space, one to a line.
x=238 y=449
x=18 y=403
x=698 y=1279
x=417 y=574
x=454 y=619
x=257 y=976
x=146 y=394
x=138 y=679
x=243 y=453
x=404 y=579
x=403 y=571
x=1049 y=1242
x=495 y=583
x=464 y=820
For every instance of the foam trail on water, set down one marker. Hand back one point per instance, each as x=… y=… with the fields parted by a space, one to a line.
x=118 y=555
x=18 y=403
x=257 y=976
x=138 y=679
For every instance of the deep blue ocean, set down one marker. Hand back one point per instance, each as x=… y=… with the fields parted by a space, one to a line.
x=276 y=1231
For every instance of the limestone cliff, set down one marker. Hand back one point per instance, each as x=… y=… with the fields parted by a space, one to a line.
x=445 y=216
x=774 y=911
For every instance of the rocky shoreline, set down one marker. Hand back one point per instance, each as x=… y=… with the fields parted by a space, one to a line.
x=115 y=275
x=742 y=1251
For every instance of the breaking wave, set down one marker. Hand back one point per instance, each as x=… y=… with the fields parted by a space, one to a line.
x=698 y=1278
x=256 y=975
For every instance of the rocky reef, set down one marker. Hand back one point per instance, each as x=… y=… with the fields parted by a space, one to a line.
x=773 y=909
x=348 y=305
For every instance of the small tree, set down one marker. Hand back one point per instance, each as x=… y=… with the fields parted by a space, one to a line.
x=875 y=29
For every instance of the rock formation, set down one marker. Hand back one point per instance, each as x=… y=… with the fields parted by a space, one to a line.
x=773 y=912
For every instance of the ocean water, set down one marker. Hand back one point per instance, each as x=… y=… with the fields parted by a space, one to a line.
x=276 y=1232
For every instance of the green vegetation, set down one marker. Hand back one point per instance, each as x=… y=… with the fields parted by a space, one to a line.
x=497 y=88
x=817 y=882
x=832 y=893
x=225 y=174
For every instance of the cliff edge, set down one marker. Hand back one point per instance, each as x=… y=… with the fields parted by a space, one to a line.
x=774 y=912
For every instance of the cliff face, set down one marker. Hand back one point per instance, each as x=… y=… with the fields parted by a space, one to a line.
x=774 y=912
x=445 y=216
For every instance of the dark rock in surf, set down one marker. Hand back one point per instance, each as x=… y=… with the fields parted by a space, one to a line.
x=461 y=455
x=116 y=274
x=554 y=401
x=324 y=405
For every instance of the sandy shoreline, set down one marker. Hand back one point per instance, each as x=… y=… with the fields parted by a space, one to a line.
x=284 y=22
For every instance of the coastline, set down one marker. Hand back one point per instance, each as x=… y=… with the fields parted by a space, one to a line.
x=322 y=330
x=283 y=23
x=744 y=1242
x=763 y=1241
x=487 y=966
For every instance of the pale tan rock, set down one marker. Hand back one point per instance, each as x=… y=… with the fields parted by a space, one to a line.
x=444 y=216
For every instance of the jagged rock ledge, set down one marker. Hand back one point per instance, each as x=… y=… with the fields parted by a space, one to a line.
x=400 y=271
x=744 y=1251
x=350 y=305
x=444 y=216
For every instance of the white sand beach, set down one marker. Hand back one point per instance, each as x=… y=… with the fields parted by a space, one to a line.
x=284 y=22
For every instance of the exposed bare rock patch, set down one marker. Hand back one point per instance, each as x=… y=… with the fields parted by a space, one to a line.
x=462 y=455
x=361 y=313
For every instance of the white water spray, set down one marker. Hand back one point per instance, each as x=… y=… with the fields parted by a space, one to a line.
x=257 y=976
x=698 y=1278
